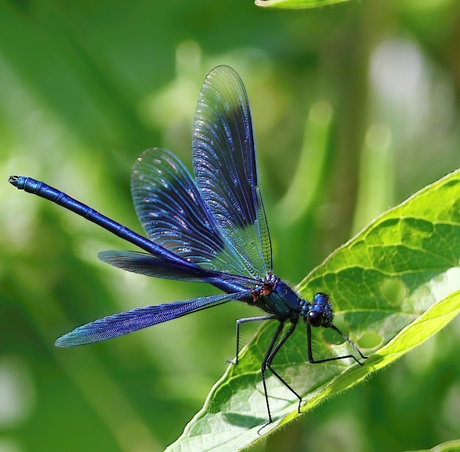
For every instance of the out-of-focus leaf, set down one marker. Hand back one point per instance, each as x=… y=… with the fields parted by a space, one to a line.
x=449 y=446
x=296 y=4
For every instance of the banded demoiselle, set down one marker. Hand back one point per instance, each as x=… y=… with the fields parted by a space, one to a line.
x=208 y=228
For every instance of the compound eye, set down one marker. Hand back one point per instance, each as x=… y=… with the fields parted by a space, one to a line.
x=315 y=319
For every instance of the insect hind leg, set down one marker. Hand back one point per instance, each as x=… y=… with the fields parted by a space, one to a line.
x=239 y=322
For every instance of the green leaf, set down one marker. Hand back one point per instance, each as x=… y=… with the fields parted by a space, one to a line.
x=393 y=286
x=296 y=4
x=449 y=446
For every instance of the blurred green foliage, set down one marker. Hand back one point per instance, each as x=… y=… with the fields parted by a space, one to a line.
x=85 y=87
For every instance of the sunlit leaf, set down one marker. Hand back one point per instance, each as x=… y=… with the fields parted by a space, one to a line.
x=394 y=285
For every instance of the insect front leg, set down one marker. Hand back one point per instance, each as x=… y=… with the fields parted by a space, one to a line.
x=335 y=358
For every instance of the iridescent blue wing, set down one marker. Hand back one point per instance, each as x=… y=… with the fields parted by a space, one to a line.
x=174 y=215
x=136 y=319
x=146 y=264
x=225 y=169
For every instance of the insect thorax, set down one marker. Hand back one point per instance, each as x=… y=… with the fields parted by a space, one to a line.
x=276 y=297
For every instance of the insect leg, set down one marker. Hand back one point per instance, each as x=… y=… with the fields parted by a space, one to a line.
x=264 y=368
x=348 y=340
x=240 y=322
x=272 y=356
x=335 y=358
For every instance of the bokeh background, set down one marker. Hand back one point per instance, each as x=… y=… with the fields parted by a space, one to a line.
x=355 y=107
